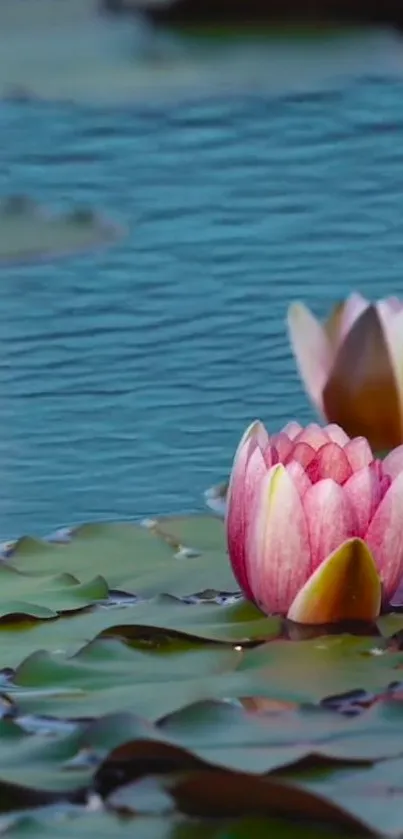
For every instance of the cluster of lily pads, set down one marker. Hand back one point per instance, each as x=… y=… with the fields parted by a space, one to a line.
x=143 y=696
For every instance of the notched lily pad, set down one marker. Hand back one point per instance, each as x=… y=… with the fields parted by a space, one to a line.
x=30 y=232
x=51 y=768
x=107 y=675
x=138 y=560
x=42 y=597
x=198 y=532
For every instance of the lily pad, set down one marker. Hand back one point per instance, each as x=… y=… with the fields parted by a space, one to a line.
x=134 y=558
x=107 y=676
x=307 y=671
x=373 y=794
x=30 y=233
x=67 y=52
x=62 y=762
x=155 y=621
x=63 y=823
x=42 y=596
x=135 y=677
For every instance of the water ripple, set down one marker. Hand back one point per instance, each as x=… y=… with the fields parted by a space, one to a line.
x=127 y=376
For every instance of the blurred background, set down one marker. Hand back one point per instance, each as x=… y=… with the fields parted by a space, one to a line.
x=171 y=177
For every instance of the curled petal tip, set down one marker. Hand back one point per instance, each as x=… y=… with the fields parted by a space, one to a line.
x=256 y=431
x=346 y=586
x=253 y=430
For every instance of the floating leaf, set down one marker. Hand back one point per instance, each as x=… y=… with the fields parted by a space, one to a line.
x=131 y=558
x=63 y=823
x=29 y=233
x=108 y=676
x=64 y=762
x=42 y=596
x=307 y=671
x=373 y=794
x=221 y=694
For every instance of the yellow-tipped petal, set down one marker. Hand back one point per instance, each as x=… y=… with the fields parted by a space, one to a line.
x=346 y=586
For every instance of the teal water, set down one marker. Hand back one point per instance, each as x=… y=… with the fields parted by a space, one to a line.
x=127 y=375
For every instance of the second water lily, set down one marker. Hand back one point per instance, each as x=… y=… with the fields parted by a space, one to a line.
x=315 y=524
x=352 y=366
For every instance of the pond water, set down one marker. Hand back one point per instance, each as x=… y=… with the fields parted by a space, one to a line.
x=127 y=375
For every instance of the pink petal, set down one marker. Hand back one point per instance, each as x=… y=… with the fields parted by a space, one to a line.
x=256 y=468
x=283 y=445
x=364 y=491
x=393 y=462
x=387 y=310
x=312 y=350
x=236 y=525
x=330 y=519
x=384 y=480
x=238 y=494
x=392 y=326
x=258 y=431
x=299 y=477
x=384 y=537
x=337 y=435
x=393 y=304
x=314 y=435
x=278 y=554
x=255 y=431
x=270 y=455
x=292 y=429
x=359 y=453
x=302 y=453
x=329 y=462
x=354 y=306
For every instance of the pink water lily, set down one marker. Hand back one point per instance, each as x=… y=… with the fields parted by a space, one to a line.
x=314 y=523
x=352 y=366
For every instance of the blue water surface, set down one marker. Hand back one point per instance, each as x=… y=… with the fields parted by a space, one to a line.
x=128 y=375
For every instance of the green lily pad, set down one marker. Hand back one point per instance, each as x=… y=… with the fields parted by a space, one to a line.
x=155 y=620
x=390 y=624
x=372 y=794
x=307 y=671
x=227 y=735
x=107 y=676
x=45 y=596
x=60 y=823
x=104 y=825
x=68 y=52
x=199 y=532
x=29 y=233
x=192 y=703
x=212 y=792
x=133 y=558
x=63 y=762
